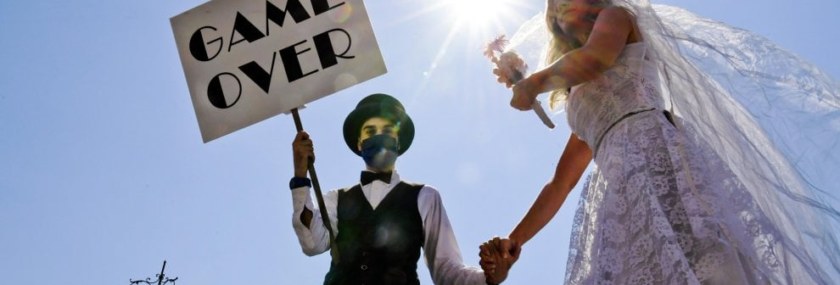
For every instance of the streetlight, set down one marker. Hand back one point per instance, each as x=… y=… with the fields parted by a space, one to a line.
x=161 y=278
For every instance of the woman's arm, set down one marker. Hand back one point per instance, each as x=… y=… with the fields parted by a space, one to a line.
x=570 y=168
x=609 y=35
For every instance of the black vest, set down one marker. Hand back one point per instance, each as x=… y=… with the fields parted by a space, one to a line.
x=379 y=246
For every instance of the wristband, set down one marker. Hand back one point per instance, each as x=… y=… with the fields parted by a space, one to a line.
x=298 y=182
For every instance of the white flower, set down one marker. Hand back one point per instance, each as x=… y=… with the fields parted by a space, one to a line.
x=509 y=67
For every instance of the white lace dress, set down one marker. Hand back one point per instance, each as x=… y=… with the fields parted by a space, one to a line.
x=661 y=208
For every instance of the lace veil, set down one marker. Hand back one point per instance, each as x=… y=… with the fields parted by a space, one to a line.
x=771 y=116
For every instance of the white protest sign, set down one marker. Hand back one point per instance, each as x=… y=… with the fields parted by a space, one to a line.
x=249 y=60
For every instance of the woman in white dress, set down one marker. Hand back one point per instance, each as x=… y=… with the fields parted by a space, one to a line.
x=703 y=196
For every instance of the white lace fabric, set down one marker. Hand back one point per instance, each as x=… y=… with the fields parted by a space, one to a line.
x=630 y=86
x=737 y=191
x=645 y=219
x=657 y=210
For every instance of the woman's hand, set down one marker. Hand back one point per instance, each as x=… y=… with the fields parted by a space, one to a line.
x=524 y=95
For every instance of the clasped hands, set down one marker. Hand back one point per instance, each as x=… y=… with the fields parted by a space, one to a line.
x=497 y=257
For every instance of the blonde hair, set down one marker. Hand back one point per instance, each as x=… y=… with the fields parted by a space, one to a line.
x=561 y=42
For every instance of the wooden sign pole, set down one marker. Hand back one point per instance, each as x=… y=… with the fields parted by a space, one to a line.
x=318 y=196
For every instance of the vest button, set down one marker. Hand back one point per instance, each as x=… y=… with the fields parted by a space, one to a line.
x=363 y=267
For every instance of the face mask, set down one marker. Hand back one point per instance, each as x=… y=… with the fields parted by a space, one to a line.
x=380 y=152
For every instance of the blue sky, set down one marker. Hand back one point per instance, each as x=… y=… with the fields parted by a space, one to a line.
x=103 y=173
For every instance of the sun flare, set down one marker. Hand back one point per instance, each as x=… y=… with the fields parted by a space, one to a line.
x=479 y=14
x=471 y=24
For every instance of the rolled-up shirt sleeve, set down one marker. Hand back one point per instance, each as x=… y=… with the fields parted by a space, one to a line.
x=443 y=257
x=314 y=239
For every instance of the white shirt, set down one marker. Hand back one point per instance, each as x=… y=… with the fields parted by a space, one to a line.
x=443 y=257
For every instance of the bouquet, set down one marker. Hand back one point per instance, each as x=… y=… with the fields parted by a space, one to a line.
x=510 y=69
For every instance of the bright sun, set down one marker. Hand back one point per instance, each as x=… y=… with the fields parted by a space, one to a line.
x=474 y=21
x=479 y=14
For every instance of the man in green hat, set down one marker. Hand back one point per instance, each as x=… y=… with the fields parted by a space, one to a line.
x=381 y=222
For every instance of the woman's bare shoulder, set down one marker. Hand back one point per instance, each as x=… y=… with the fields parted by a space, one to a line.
x=617 y=13
x=620 y=16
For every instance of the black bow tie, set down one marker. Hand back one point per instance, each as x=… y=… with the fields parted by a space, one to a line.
x=368 y=177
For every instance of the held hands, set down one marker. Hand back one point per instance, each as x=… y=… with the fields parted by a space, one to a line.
x=497 y=257
x=302 y=151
